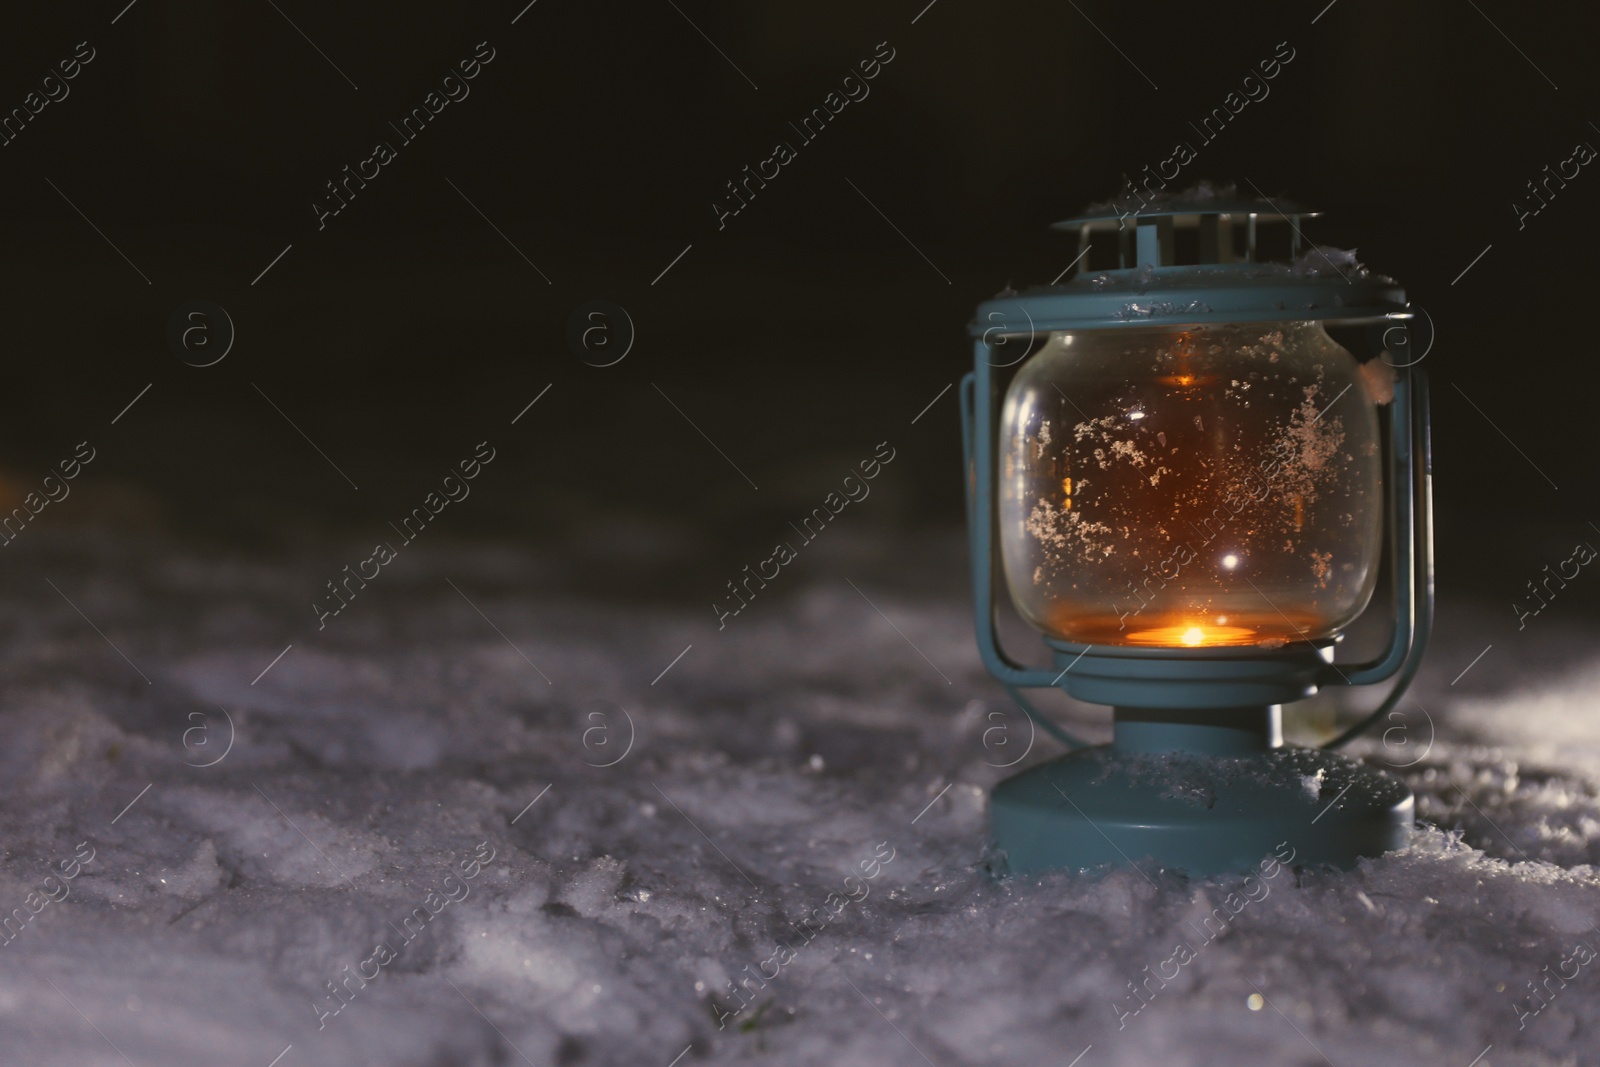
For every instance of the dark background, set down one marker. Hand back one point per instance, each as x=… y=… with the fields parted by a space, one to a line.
x=796 y=338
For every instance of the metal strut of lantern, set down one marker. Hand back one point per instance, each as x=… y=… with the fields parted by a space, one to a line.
x=1189 y=492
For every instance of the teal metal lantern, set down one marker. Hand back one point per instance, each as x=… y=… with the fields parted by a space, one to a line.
x=1189 y=473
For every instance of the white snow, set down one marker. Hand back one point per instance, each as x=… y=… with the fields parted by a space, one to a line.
x=767 y=770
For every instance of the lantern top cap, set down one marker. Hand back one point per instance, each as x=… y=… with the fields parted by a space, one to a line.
x=1186 y=208
x=1205 y=226
x=1138 y=262
x=1186 y=215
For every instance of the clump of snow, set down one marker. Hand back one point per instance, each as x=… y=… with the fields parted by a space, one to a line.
x=1326 y=259
x=407 y=780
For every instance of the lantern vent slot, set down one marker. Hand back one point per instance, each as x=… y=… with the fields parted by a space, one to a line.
x=1183 y=234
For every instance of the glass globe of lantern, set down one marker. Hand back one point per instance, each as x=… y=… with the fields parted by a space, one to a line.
x=1193 y=486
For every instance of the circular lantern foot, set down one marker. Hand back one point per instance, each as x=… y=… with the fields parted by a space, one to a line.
x=1198 y=812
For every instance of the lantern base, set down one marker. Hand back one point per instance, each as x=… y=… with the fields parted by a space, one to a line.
x=1205 y=793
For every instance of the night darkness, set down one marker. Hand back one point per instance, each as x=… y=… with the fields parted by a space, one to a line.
x=595 y=147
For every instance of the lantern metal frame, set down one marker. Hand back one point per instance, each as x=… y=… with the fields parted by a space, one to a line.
x=1210 y=717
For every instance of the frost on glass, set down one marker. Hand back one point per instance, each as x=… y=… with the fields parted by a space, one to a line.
x=1184 y=487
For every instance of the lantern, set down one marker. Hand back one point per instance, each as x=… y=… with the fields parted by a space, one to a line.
x=1189 y=472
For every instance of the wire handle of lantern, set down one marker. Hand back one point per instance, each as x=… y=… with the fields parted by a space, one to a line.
x=1423 y=534
x=1043 y=721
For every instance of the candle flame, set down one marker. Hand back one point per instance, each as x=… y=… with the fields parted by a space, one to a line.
x=1196 y=635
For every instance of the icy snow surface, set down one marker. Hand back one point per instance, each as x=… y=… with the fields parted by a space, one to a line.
x=811 y=758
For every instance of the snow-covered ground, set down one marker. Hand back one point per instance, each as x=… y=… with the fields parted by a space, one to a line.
x=514 y=827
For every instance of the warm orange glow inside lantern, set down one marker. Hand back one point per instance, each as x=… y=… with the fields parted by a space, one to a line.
x=1204 y=486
